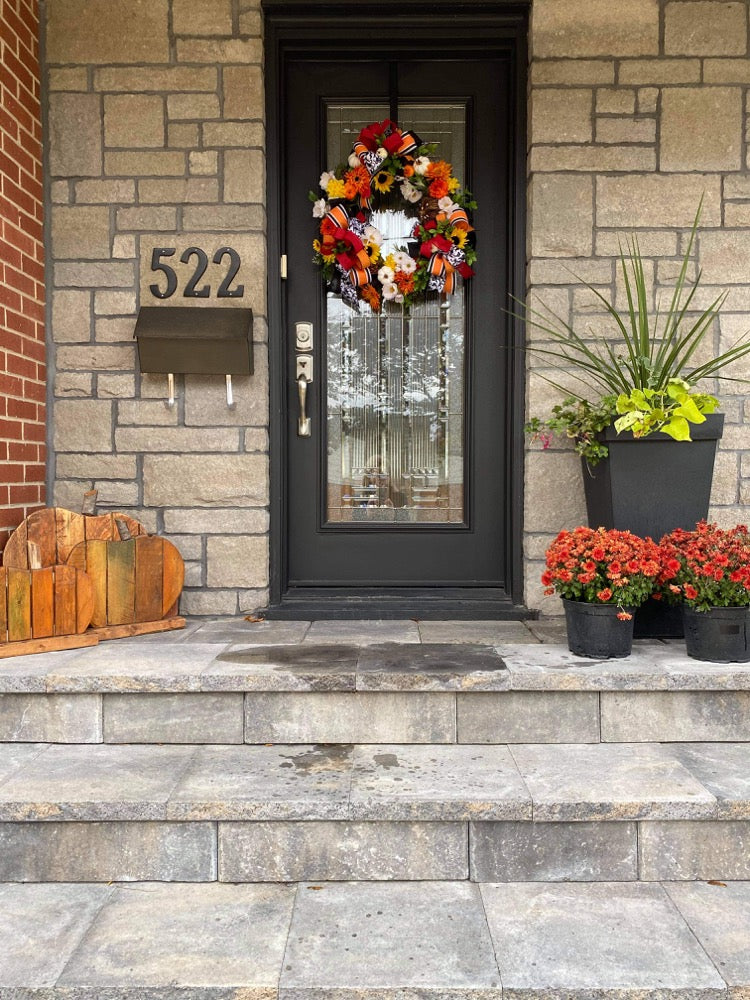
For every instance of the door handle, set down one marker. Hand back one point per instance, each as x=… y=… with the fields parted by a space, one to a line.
x=303 y=424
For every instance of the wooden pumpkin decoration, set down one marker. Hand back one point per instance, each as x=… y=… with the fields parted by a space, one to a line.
x=44 y=603
x=56 y=531
x=139 y=580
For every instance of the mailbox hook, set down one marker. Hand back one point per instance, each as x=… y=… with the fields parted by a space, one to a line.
x=170 y=390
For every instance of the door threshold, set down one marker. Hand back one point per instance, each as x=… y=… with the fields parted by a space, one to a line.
x=460 y=604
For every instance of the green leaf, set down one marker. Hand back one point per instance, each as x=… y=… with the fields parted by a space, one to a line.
x=678 y=428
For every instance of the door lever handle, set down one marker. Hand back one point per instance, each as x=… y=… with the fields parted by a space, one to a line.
x=303 y=424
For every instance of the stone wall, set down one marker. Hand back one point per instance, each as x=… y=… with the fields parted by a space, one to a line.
x=22 y=350
x=638 y=109
x=156 y=138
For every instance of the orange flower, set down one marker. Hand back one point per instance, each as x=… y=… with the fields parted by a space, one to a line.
x=408 y=170
x=404 y=282
x=438 y=188
x=371 y=297
x=441 y=170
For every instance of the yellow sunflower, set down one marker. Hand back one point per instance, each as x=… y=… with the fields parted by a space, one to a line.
x=458 y=236
x=383 y=181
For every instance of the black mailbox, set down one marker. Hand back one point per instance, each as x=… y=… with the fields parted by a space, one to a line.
x=184 y=340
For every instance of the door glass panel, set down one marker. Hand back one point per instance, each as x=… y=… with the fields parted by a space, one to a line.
x=395 y=379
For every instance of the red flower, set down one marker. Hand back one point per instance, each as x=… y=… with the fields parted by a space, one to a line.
x=604 y=595
x=690 y=592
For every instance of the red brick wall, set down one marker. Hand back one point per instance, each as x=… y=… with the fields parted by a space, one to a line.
x=22 y=344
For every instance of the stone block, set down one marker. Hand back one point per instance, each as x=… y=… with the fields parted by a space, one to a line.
x=224 y=218
x=204 y=162
x=107 y=852
x=736 y=216
x=206 y=401
x=237 y=561
x=674 y=716
x=562 y=211
x=133 y=121
x=561 y=115
x=96 y=358
x=104 y=192
x=173 y=718
x=648 y=100
x=217 y=480
x=75 y=142
x=659 y=72
x=595 y=159
x=528 y=717
x=440 y=922
x=717 y=915
x=337 y=851
x=176 y=79
x=39 y=718
x=429 y=666
x=117 y=330
x=71 y=316
x=133 y=31
x=595 y=941
x=226 y=50
x=193 y=107
x=244 y=175
x=184 y=940
x=146 y=412
x=208 y=602
x=363 y=632
x=659 y=201
x=243 y=92
x=68 y=78
x=228 y=134
x=682 y=850
x=628 y=28
x=721 y=256
x=724 y=769
x=41 y=928
x=726 y=479
x=88 y=466
x=162 y=163
x=183 y=134
x=73 y=384
x=619 y=101
x=80 y=233
x=266 y=656
x=701 y=129
x=112 y=274
x=183 y=191
x=251 y=22
x=617 y=130
x=202 y=17
x=572 y=71
x=114 y=303
x=361 y=717
x=217 y=521
x=82 y=425
x=726 y=70
x=177 y=439
x=553 y=852
x=705 y=28
x=158 y=218
x=123 y=247
x=564 y=469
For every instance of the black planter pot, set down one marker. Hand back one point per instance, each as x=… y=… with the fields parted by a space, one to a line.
x=595 y=631
x=721 y=635
x=651 y=486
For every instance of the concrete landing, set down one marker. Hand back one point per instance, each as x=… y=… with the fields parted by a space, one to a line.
x=326 y=941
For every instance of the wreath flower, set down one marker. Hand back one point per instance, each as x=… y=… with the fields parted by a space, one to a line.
x=390 y=167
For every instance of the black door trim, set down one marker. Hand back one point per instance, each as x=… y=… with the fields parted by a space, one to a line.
x=406 y=27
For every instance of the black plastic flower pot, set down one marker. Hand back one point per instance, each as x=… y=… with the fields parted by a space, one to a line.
x=595 y=631
x=651 y=486
x=721 y=635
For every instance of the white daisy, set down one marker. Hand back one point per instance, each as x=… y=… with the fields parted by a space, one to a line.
x=320 y=208
x=386 y=275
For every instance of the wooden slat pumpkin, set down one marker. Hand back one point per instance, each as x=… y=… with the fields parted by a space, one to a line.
x=42 y=603
x=56 y=531
x=138 y=580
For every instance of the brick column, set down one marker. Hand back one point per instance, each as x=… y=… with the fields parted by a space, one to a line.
x=22 y=348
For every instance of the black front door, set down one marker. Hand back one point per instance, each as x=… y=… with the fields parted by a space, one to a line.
x=404 y=489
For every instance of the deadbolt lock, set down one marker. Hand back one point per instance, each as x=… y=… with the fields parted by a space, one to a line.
x=304 y=336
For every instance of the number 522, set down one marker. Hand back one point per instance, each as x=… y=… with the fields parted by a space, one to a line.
x=191 y=290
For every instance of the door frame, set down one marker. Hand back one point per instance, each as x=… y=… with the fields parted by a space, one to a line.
x=409 y=28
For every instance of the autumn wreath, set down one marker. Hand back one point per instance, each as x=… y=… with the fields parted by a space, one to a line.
x=391 y=169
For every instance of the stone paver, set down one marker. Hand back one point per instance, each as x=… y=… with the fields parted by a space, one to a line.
x=305 y=667
x=130 y=667
x=276 y=783
x=177 y=935
x=552 y=667
x=390 y=939
x=724 y=768
x=528 y=717
x=633 y=716
x=490 y=633
x=56 y=718
x=683 y=850
x=97 y=782
x=15 y=755
x=437 y=783
x=719 y=916
x=594 y=939
x=173 y=718
x=430 y=667
x=618 y=781
x=251 y=633
x=363 y=632
x=41 y=926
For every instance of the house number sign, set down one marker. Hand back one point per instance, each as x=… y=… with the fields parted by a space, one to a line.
x=198 y=259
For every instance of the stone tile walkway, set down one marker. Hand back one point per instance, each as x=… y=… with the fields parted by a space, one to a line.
x=327 y=941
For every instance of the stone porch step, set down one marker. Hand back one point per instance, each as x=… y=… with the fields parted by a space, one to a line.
x=287 y=813
x=325 y=941
x=208 y=687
